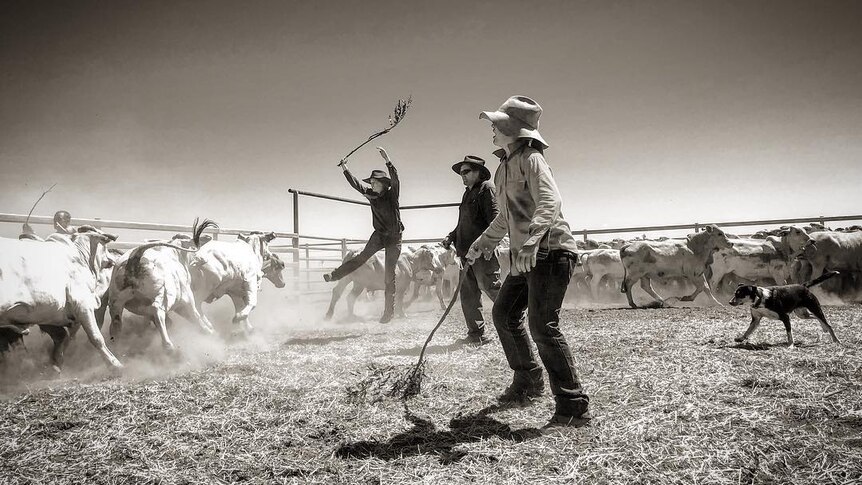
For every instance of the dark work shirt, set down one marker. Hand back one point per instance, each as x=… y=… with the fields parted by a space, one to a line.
x=385 y=212
x=478 y=208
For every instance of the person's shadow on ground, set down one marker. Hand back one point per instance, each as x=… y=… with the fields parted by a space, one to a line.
x=424 y=439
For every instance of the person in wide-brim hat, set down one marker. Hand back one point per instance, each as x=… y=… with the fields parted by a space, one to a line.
x=542 y=255
x=477 y=209
x=518 y=117
x=383 y=198
x=378 y=175
x=476 y=163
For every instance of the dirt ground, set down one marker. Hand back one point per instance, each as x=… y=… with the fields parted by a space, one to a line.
x=675 y=400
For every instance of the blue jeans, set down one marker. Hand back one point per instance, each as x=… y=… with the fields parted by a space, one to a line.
x=541 y=292
x=483 y=276
x=392 y=244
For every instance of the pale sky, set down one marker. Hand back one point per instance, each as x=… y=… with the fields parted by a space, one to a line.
x=656 y=112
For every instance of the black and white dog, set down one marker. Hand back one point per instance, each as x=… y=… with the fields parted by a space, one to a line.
x=778 y=302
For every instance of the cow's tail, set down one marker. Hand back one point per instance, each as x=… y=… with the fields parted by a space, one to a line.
x=133 y=264
x=198 y=230
x=820 y=279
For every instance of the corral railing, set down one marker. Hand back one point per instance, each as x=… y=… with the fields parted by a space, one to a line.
x=310 y=255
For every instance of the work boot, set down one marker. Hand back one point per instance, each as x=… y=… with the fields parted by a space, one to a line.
x=522 y=392
x=560 y=421
x=477 y=340
x=386 y=318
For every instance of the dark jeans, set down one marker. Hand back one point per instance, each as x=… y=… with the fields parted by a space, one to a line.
x=392 y=244
x=541 y=292
x=483 y=276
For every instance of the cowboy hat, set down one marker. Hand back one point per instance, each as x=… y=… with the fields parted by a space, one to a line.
x=379 y=175
x=520 y=115
x=477 y=164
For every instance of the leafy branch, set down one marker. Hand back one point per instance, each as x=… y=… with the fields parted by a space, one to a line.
x=398 y=114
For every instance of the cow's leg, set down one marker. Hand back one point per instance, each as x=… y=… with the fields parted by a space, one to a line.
x=198 y=302
x=61 y=337
x=709 y=292
x=337 y=291
x=100 y=312
x=88 y=322
x=785 y=319
x=814 y=307
x=189 y=311
x=416 y=287
x=626 y=287
x=439 y=290
x=159 y=319
x=595 y=283
x=351 y=298
x=244 y=304
x=116 y=307
x=755 y=322
x=646 y=284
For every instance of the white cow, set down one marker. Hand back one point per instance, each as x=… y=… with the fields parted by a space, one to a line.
x=55 y=284
x=153 y=279
x=643 y=260
x=235 y=268
x=602 y=266
x=750 y=261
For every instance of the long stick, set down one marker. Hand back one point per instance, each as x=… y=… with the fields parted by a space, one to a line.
x=442 y=318
x=399 y=113
x=35 y=203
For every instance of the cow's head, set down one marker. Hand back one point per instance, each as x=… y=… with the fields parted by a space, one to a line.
x=259 y=242
x=273 y=270
x=716 y=239
x=794 y=239
x=92 y=245
x=425 y=258
x=808 y=251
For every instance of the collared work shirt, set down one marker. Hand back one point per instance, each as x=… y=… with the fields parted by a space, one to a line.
x=385 y=211
x=478 y=208
x=529 y=203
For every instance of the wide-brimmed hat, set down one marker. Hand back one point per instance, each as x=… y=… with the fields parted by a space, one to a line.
x=520 y=115
x=477 y=163
x=379 y=175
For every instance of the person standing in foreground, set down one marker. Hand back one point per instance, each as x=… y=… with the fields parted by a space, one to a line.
x=386 y=219
x=478 y=208
x=543 y=256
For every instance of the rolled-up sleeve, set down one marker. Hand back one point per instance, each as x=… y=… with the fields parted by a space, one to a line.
x=396 y=182
x=546 y=196
x=354 y=182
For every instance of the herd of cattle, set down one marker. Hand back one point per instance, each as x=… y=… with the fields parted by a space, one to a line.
x=67 y=282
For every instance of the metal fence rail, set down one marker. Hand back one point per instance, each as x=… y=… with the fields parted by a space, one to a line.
x=311 y=255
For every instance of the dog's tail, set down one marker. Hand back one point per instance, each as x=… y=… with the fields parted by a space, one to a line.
x=820 y=279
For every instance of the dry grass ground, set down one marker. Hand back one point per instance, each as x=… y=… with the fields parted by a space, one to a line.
x=675 y=401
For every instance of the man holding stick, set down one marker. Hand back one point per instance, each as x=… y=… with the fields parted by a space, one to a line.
x=542 y=255
x=478 y=208
x=386 y=218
